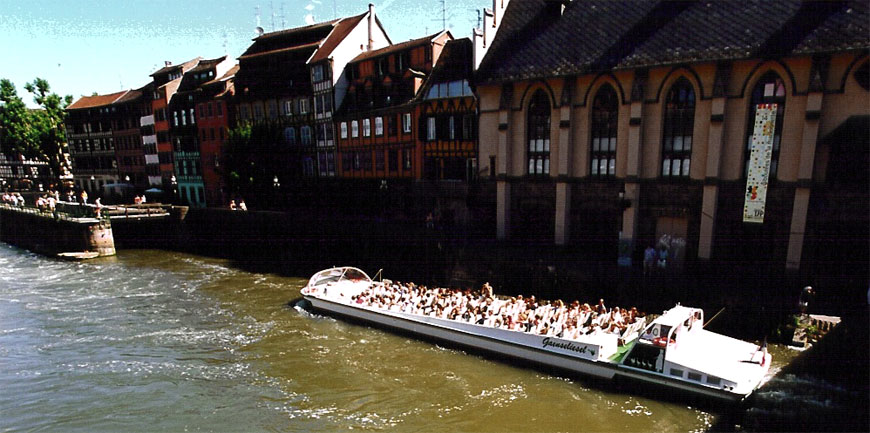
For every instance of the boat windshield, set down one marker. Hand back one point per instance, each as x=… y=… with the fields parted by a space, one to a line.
x=339 y=274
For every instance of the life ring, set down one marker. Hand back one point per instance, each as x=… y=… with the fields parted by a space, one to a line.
x=662 y=341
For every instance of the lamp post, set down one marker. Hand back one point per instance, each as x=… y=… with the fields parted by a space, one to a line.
x=174 y=182
x=276 y=189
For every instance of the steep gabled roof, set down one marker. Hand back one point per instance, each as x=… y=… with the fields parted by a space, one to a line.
x=400 y=46
x=97 y=100
x=597 y=35
x=184 y=66
x=299 y=38
x=339 y=32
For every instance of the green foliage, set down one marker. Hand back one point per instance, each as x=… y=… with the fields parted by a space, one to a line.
x=37 y=134
x=247 y=163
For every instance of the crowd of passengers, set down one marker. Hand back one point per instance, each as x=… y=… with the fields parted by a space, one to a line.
x=515 y=313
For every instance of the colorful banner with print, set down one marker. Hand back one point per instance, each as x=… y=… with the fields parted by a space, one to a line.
x=759 y=163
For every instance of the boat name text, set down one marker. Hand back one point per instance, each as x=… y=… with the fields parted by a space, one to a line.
x=547 y=342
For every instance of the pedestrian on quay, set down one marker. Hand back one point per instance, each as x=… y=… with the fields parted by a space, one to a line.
x=232 y=205
x=84 y=198
x=242 y=205
x=649 y=260
x=98 y=207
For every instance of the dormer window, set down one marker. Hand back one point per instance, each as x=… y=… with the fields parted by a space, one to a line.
x=317 y=73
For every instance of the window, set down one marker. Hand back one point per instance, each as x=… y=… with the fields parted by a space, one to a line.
x=539 y=134
x=605 y=109
x=379 y=160
x=343 y=129
x=407 y=158
x=258 y=111
x=406 y=123
x=346 y=161
x=713 y=380
x=468 y=128
x=451 y=128
x=679 y=123
x=174 y=118
x=381 y=67
x=391 y=125
x=695 y=376
x=393 y=160
x=770 y=89
x=306 y=135
x=273 y=110
x=379 y=126
x=220 y=109
x=290 y=135
x=317 y=73
x=303 y=106
x=192 y=118
x=354 y=129
x=430 y=128
x=676 y=372
x=211 y=109
x=367 y=127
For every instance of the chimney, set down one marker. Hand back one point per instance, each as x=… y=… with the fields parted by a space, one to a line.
x=167 y=63
x=555 y=8
x=371 y=27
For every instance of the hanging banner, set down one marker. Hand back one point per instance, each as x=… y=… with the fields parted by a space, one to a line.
x=759 y=163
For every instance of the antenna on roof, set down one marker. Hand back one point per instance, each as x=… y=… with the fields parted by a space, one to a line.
x=258 y=29
x=283 y=25
x=272 y=8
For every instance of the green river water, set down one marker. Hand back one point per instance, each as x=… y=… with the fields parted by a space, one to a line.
x=159 y=341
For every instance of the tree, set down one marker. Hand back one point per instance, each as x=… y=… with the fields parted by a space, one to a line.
x=36 y=134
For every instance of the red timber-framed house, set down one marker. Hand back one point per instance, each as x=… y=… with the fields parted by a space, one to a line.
x=292 y=80
x=128 y=139
x=447 y=113
x=185 y=133
x=158 y=158
x=642 y=124
x=92 y=146
x=377 y=123
x=213 y=119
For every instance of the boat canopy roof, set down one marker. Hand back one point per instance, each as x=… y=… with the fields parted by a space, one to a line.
x=676 y=315
x=338 y=274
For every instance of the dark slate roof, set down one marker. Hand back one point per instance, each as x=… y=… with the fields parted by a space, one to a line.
x=402 y=46
x=597 y=35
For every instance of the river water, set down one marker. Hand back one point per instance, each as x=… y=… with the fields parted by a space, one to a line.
x=153 y=340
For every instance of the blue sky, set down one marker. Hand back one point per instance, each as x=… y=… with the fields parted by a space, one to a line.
x=103 y=46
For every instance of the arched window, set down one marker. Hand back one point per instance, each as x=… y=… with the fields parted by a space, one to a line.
x=605 y=110
x=679 y=123
x=539 y=134
x=770 y=89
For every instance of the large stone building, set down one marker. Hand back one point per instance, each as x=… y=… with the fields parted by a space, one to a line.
x=609 y=124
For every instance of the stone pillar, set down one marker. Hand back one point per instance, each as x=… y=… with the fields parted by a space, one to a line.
x=711 y=188
x=809 y=139
x=632 y=175
x=563 y=212
x=503 y=188
x=563 y=189
x=503 y=206
x=805 y=176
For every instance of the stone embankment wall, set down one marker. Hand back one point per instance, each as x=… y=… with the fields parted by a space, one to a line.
x=45 y=234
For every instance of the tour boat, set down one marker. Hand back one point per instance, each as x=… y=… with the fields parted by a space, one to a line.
x=672 y=351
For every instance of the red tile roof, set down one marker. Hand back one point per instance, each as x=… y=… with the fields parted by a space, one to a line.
x=311 y=46
x=399 y=47
x=96 y=100
x=339 y=32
